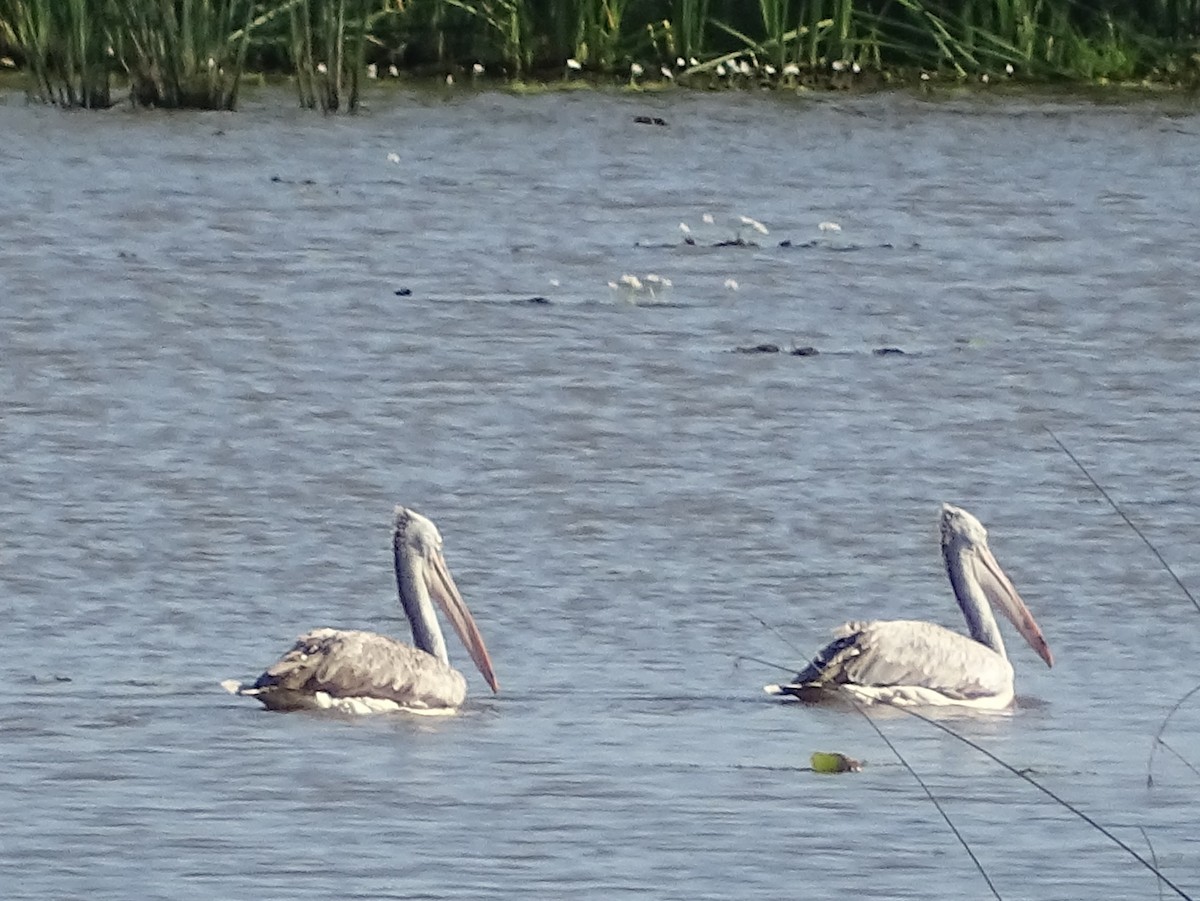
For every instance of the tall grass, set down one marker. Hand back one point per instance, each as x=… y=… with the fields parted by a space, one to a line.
x=601 y=33
x=65 y=47
x=173 y=52
x=508 y=27
x=690 y=22
x=191 y=52
x=186 y=53
x=328 y=43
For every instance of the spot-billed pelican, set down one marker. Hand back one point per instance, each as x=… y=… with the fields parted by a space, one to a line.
x=909 y=662
x=363 y=672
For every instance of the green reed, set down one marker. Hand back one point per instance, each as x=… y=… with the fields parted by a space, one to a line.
x=601 y=38
x=810 y=34
x=65 y=48
x=690 y=23
x=191 y=52
x=777 y=27
x=508 y=27
x=183 y=53
x=1042 y=39
x=328 y=43
x=175 y=53
x=827 y=31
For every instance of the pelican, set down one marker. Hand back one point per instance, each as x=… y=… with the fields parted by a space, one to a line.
x=910 y=662
x=364 y=672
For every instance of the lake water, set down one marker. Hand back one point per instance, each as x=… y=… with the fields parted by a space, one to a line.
x=230 y=343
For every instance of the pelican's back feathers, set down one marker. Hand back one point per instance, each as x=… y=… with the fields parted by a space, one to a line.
x=906 y=653
x=352 y=664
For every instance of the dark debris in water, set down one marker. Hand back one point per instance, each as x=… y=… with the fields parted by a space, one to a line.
x=403 y=292
x=767 y=347
x=843 y=248
x=692 y=242
x=279 y=179
x=532 y=300
x=786 y=243
x=650 y=120
x=46 y=680
x=758 y=349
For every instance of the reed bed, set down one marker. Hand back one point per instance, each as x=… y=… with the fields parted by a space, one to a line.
x=183 y=54
x=192 y=52
x=1041 y=39
x=64 y=47
x=328 y=41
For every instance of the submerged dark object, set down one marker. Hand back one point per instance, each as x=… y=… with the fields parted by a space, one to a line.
x=758 y=349
x=767 y=348
x=650 y=120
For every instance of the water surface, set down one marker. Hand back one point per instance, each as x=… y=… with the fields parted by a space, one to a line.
x=233 y=341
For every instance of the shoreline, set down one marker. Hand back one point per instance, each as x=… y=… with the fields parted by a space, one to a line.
x=914 y=83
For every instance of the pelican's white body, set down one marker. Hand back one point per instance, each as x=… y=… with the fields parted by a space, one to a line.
x=911 y=662
x=914 y=663
x=357 y=672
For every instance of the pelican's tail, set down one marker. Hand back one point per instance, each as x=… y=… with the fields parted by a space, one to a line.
x=823 y=672
x=809 y=692
x=234 y=687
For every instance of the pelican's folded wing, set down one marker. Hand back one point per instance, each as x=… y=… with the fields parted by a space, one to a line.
x=352 y=664
x=918 y=654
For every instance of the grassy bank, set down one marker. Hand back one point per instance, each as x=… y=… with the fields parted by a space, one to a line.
x=192 y=52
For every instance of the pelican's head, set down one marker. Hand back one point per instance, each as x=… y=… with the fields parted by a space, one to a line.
x=959 y=529
x=416 y=532
x=418 y=547
x=965 y=545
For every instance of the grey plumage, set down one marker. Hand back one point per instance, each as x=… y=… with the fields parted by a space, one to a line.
x=908 y=652
x=364 y=672
x=915 y=662
x=355 y=664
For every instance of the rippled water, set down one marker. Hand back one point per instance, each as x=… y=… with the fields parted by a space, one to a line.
x=232 y=342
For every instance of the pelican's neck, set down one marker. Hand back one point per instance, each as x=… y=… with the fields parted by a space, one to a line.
x=974 y=603
x=414 y=596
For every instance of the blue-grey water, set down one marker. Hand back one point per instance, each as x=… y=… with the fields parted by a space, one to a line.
x=230 y=343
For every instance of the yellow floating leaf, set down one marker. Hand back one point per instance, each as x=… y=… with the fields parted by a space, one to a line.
x=832 y=762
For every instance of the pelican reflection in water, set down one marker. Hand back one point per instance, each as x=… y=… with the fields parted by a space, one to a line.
x=364 y=672
x=910 y=662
